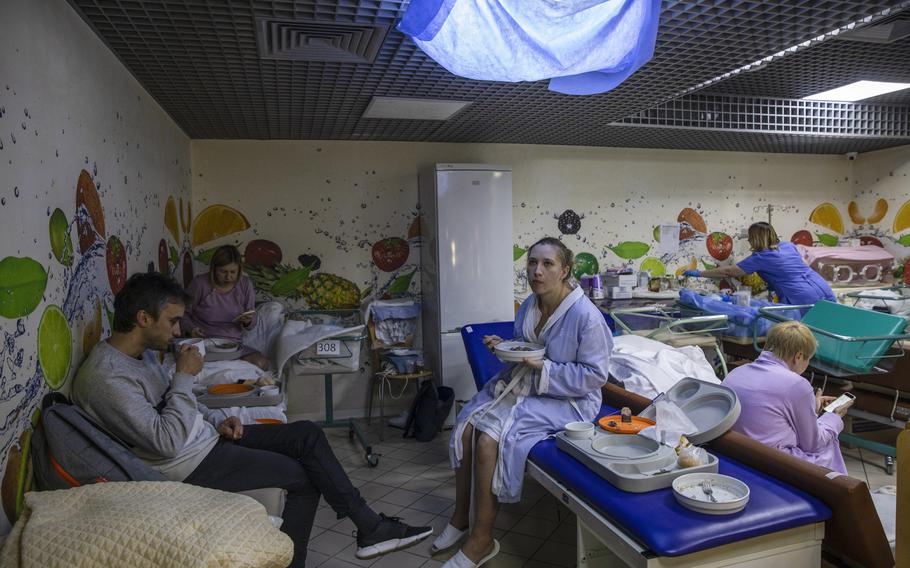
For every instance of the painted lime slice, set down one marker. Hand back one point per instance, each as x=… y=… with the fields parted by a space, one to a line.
x=22 y=284
x=55 y=346
x=61 y=241
x=654 y=266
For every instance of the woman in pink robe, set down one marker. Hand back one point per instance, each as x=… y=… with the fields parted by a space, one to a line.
x=779 y=408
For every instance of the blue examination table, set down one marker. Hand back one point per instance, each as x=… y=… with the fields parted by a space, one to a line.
x=781 y=525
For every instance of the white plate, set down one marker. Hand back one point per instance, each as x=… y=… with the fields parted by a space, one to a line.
x=222 y=345
x=731 y=493
x=507 y=353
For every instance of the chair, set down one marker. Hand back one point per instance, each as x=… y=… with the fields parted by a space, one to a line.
x=484 y=365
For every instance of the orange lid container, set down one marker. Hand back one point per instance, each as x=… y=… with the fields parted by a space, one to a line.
x=617 y=426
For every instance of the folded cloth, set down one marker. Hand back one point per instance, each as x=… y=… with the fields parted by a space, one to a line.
x=144 y=524
x=298 y=335
x=648 y=367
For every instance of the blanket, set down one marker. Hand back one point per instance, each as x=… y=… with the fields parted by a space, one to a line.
x=649 y=367
x=143 y=524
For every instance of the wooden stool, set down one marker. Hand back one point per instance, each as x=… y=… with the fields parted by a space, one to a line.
x=382 y=377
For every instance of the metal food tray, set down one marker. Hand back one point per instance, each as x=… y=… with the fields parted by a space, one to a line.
x=251 y=398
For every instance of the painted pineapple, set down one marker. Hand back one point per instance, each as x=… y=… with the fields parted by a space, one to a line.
x=324 y=291
x=321 y=291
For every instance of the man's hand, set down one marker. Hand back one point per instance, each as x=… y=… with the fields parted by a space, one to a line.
x=231 y=428
x=197 y=332
x=189 y=360
x=491 y=341
x=536 y=364
x=245 y=319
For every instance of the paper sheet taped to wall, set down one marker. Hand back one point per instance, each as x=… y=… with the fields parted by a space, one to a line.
x=669 y=238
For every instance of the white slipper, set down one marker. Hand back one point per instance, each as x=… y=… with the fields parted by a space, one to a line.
x=450 y=537
x=460 y=560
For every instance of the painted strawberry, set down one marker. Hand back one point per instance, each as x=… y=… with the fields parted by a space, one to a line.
x=389 y=254
x=720 y=245
x=116 y=264
x=803 y=237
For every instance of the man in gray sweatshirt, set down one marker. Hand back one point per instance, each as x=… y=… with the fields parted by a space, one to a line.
x=123 y=386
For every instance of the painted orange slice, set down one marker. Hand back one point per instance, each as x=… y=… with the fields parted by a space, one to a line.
x=217 y=221
x=902 y=219
x=853 y=211
x=170 y=218
x=881 y=207
x=829 y=217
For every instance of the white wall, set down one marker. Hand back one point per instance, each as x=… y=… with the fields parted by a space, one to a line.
x=334 y=199
x=68 y=105
x=885 y=175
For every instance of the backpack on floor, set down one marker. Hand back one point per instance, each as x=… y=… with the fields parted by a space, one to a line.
x=70 y=450
x=429 y=411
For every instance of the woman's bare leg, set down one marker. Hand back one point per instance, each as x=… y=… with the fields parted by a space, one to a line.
x=480 y=542
x=460 y=517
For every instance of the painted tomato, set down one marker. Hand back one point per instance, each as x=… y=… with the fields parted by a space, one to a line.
x=389 y=254
x=163 y=257
x=116 y=264
x=870 y=241
x=720 y=245
x=262 y=252
x=803 y=237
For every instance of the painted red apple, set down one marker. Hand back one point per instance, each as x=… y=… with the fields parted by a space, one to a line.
x=389 y=254
x=720 y=245
x=870 y=241
x=803 y=237
x=116 y=264
x=262 y=252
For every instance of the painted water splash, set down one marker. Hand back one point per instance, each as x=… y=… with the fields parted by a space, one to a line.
x=81 y=292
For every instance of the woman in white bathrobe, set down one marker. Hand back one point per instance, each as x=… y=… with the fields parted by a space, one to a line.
x=526 y=402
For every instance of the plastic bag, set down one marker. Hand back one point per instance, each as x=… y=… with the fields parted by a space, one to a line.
x=671 y=424
x=688 y=455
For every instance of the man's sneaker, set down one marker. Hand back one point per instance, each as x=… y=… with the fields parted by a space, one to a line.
x=390 y=534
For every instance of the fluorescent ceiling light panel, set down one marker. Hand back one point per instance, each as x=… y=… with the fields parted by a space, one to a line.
x=413 y=109
x=858 y=91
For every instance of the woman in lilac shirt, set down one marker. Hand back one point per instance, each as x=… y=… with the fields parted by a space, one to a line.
x=223 y=303
x=779 y=408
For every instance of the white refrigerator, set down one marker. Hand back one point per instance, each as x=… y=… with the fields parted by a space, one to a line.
x=466 y=261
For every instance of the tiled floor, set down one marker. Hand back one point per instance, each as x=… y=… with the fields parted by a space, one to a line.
x=414 y=481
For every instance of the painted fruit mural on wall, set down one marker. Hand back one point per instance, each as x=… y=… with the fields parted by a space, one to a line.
x=720 y=245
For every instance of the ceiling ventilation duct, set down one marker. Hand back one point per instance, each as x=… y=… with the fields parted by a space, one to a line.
x=301 y=40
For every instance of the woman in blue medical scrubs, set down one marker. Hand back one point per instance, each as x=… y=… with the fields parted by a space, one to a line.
x=779 y=264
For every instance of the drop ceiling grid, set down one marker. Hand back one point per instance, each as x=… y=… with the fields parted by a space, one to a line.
x=184 y=50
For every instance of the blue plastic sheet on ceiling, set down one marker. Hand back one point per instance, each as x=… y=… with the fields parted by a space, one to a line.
x=583 y=46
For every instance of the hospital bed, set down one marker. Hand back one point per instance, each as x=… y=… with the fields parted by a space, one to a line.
x=651 y=529
x=669 y=324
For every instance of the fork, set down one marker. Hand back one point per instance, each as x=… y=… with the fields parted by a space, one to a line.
x=708 y=489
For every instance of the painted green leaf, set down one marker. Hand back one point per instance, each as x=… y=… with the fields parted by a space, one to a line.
x=827 y=240
x=205 y=256
x=61 y=241
x=289 y=283
x=401 y=284
x=22 y=284
x=904 y=241
x=175 y=256
x=708 y=265
x=630 y=250
x=366 y=292
x=585 y=263
x=517 y=252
